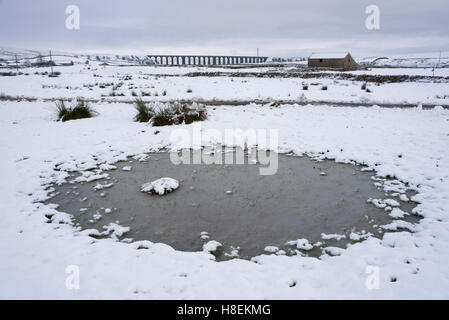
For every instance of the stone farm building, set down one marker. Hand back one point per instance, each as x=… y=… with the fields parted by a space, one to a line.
x=342 y=61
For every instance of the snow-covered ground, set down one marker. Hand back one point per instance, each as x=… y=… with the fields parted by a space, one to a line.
x=124 y=83
x=35 y=254
x=427 y=72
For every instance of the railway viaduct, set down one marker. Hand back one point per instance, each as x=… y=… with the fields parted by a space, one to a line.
x=205 y=60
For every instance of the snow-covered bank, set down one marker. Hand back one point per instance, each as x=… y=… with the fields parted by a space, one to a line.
x=35 y=254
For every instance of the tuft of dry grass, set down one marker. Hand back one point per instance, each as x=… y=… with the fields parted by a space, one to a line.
x=80 y=110
x=144 y=113
x=54 y=74
x=170 y=113
x=8 y=74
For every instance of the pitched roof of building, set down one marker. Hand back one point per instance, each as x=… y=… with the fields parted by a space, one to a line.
x=329 y=55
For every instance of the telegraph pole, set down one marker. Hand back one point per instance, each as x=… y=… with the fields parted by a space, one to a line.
x=51 y=63
x=17 y=64
x=436 y=65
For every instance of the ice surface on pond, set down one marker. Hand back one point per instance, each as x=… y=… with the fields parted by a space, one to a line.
x=296 y=211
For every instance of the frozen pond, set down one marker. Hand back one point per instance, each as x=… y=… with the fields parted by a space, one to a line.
x=234 y=205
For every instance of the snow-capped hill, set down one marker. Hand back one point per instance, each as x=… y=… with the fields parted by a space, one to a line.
x=428 y=60
x=11 y=57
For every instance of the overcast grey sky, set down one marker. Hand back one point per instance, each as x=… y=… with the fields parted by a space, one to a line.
x=277 y=27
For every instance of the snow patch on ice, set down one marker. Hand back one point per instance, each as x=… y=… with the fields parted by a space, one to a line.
x=302 y=244
x=332 y=236
x=100 y=186
x=271 y=249
x=115 y=230
x=397 y=213
x=211 y=246
x=89 y=176
x=161 y=186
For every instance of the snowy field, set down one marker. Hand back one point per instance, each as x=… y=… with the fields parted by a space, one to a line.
x=409 y=144
x=112 y=83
